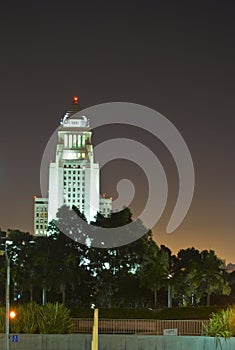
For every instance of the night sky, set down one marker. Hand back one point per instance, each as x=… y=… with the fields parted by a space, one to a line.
x=176 y=57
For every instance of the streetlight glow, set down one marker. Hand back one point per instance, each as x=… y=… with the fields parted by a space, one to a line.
x=12 y=314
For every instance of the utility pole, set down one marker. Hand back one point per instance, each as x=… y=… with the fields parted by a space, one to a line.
x=7 y=335
x=4 y=252
x=7 y=299
x=169 y=299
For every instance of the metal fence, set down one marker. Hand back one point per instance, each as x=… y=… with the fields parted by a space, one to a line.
x=125 y=326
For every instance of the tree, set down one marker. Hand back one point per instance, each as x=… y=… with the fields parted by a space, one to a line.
x=155 y=269
x=71 y=263
x=186 y=277
x=21 y=253
x=112 y=267
x=212 y=275
x=197 y=274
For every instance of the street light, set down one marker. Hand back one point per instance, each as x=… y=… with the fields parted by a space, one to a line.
x=12 y=314
x=169 y=304
x=7 y=339
x=7 y=299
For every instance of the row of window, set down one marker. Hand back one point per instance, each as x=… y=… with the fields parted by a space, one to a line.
x=74 y=195
x=41 y=215
x=75 y=202
x=41 y=232
x=77 y=184
x=72 y=172
x=72 y=200
x=41 y=221
x=74 y=178
x=106 y=210
x=40 y=226
x=44 y=209
x=74 y=189
x=73 y=166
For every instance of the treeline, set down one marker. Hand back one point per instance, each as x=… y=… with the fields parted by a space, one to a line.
x=140 y=274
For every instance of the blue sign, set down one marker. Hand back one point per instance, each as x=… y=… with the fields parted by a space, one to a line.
x=15 y=338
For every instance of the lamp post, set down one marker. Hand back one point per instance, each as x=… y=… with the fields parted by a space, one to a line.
x=169 y=304
x=7 y=333
x=7 y=299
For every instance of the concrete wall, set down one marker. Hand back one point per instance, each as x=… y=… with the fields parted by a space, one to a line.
x=116 y=342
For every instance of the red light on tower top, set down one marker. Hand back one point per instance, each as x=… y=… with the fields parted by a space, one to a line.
x=75 y=99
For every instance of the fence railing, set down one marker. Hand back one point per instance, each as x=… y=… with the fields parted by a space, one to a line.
x=125 y=326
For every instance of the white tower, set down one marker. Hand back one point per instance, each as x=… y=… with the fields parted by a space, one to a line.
x=74 y=177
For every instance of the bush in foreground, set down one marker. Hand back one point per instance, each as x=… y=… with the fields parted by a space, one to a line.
x=54 y=319
x=221 y=324
x=34 y=318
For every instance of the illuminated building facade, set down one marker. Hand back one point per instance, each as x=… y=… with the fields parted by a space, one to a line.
x=40 y=216
x=74 y=176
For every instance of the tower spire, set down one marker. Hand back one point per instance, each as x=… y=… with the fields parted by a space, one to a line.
x=74 y=108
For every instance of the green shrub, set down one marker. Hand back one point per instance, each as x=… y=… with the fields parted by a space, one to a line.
x=26 y=320
x=34 y=318
x=221 y=324
x=2 y=319
x=54 y=318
